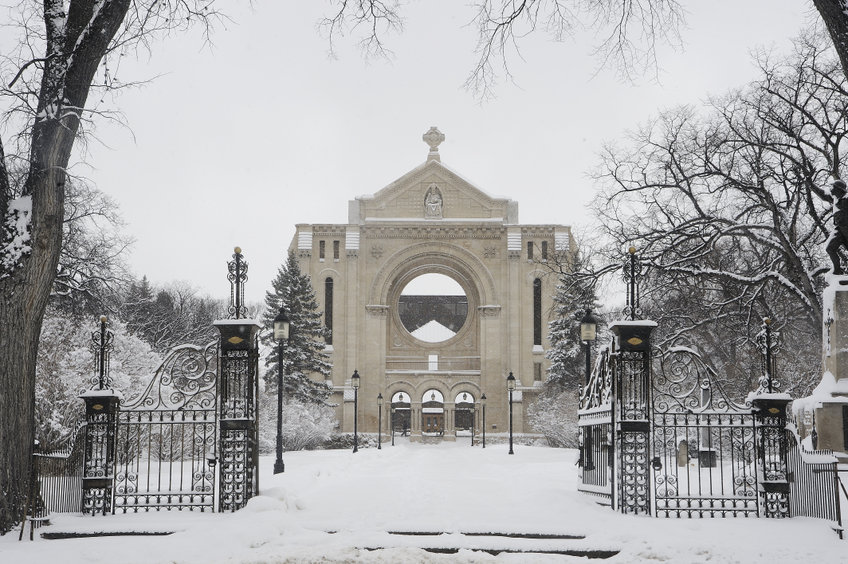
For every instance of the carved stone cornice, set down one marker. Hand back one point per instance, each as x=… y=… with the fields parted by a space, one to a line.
x=489 y=310
x=375 y=310
x=432 y=232
x=304 y=253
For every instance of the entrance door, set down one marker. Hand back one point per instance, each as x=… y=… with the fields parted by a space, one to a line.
x=433 y=413
x=434 y=422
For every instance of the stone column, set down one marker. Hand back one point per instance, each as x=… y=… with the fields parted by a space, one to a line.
x=414 y=421
x=450 y=422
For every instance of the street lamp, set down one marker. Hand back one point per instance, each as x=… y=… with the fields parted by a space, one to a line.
x=282 y=328
x=510 y=385
x=588 y=327
x=354 y=381
x=380 y=421
x=483 y=403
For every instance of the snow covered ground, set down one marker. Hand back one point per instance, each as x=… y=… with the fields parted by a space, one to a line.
x=332 y=506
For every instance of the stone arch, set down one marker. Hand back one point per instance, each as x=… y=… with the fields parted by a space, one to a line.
x=328 y=272
x=465 y=386
x=431 y=384
x=440 y=257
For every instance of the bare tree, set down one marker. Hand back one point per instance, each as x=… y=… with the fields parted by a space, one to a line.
x=64 y=54
x=629 y=30
x=728 y=205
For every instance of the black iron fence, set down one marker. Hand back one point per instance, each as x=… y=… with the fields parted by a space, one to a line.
x=814 y=489
x=710 y=456
x=165 y=459
x=59 y=476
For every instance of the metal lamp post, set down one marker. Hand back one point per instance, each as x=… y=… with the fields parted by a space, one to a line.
x=483 y=403
x=282 y=328
x=379 y=421
x=588 y=334
x=354 y=381
x=510 y=385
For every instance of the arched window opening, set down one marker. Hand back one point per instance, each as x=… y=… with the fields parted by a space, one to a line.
x=433 y=413
x=464 y=413
x=537 y=312
x=401 y=411
x=328 y=309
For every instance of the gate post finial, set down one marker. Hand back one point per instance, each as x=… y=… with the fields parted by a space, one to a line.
x=237 y=274
x=632 y=272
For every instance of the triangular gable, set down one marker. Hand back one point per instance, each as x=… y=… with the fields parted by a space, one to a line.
x=432 y=192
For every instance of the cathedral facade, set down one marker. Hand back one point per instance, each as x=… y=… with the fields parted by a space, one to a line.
x=430 y=360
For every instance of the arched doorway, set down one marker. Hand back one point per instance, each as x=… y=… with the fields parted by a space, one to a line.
x=433 y=413
x=401 y=413
x=464 y=413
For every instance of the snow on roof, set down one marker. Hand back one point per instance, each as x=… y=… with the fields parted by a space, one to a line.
x=433 y=332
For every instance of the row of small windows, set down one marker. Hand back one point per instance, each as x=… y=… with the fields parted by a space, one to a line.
x=543 y=247
x=322 y=249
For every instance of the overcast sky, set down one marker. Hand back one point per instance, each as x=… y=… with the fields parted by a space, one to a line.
x=235 y=143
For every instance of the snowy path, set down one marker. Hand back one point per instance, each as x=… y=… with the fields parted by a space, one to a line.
x=331 y=506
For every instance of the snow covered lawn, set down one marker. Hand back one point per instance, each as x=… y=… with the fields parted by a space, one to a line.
x=332 y=506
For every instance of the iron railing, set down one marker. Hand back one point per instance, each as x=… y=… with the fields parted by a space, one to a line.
x=815 y=484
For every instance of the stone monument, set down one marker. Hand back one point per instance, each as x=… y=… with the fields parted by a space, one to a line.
x=823 y=416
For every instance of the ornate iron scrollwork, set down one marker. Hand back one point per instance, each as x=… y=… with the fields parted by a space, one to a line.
x=705 y=443
x=186 y=379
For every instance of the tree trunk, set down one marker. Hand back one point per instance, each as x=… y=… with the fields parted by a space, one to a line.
x=75 y=46
x=833 y=13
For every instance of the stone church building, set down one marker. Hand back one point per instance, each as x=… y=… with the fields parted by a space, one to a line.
x=432 y=357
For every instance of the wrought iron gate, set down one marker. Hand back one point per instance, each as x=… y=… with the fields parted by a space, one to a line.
x=704 y=445
x=166 y=436
x=595 y=432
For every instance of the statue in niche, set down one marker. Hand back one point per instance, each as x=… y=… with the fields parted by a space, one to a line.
x=839 y=236
x=433 y=203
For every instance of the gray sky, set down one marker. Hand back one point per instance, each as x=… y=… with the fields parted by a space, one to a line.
x=236 y=143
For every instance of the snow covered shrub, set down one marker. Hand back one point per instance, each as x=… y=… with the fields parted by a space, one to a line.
x=306 y=425
x=65 y=367
x=554 y=414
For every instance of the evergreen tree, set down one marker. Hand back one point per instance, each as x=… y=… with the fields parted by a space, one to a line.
x=574 y=294
x=554 y=412
x=303 y=354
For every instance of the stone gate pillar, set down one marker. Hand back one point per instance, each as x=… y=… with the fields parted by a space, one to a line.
x=830 y=398
x=631 y=359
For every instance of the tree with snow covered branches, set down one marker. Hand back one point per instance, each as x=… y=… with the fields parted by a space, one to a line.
x=304 y=356
x=61 y=56
x=729 y=207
